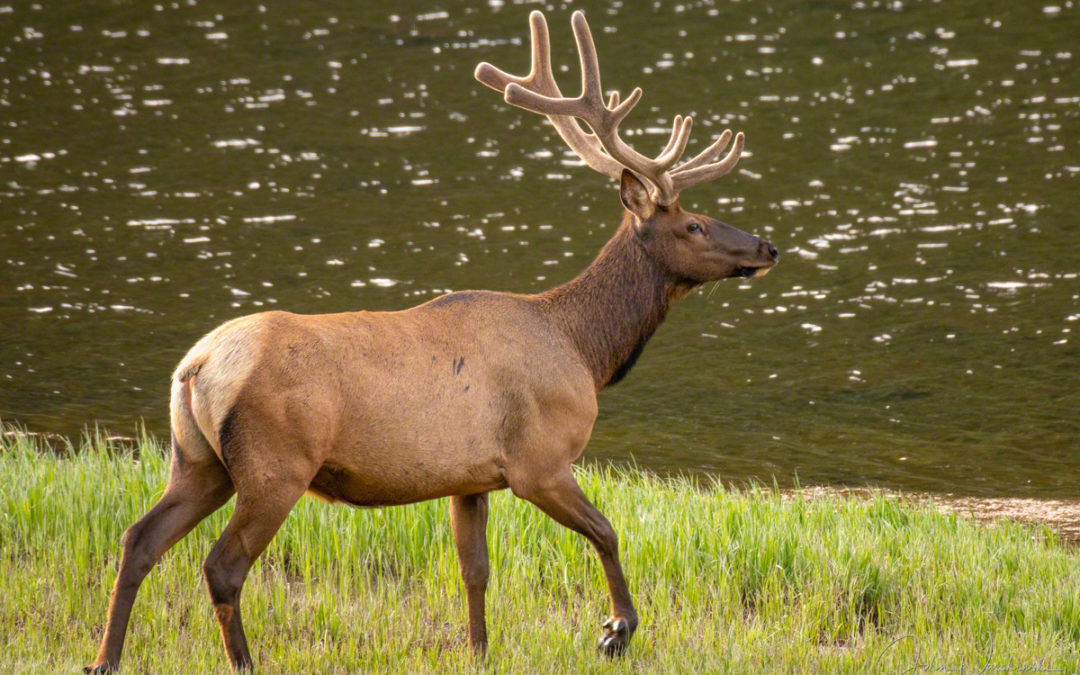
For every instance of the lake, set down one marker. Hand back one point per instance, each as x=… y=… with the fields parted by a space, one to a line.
x=165 y=167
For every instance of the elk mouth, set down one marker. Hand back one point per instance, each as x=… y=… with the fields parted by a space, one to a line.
x=751 y=271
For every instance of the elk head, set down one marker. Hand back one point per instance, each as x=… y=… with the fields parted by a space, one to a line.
x=691 y=246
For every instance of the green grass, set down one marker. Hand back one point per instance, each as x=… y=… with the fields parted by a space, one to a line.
x=725 y=581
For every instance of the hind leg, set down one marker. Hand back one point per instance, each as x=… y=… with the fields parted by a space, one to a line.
x=194 y=491
x=263 y=501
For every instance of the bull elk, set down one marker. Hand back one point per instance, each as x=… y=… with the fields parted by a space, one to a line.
x=471 y=392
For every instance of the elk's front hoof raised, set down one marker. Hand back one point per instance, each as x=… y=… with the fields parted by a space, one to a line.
x=615 y=638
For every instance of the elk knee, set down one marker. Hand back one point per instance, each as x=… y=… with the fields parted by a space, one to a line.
x=604 y=537
x=475 y=575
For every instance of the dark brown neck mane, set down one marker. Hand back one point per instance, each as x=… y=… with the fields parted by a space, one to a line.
x=614 y=306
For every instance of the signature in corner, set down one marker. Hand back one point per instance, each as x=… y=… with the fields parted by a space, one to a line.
x=964 y=666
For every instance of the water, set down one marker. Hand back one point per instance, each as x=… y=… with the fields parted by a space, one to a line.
x=164 y=167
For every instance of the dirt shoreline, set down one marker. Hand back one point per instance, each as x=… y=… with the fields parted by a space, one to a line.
x=1061 y=515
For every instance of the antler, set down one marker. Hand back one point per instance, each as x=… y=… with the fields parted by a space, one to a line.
x=603 y=149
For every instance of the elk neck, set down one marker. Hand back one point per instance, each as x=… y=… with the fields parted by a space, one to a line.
x=614 y=306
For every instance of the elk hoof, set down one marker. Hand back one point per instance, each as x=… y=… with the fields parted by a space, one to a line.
x=615 y=638
x=96 y=670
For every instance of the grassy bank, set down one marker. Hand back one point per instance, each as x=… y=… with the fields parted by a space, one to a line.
x=724 y=581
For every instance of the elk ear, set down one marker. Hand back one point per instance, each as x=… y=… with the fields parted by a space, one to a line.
x=635 y=196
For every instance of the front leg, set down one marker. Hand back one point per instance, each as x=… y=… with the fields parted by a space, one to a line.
x=560 y=497
x=468 y=518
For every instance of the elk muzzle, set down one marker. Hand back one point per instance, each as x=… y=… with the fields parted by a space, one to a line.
x=766 y=256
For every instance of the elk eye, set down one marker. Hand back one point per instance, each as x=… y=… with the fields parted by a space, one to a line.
x=693 y=228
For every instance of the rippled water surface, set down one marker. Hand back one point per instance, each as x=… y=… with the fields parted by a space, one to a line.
x=166 y=166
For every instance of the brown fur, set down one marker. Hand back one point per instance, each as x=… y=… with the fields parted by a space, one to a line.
x=471 y=392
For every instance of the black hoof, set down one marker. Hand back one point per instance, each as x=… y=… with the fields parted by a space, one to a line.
x=96 y=670
x=615 y=638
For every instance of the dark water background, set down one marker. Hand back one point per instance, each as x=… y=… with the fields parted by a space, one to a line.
x=166 y=166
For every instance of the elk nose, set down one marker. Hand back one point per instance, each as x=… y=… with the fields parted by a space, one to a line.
x=773 y=253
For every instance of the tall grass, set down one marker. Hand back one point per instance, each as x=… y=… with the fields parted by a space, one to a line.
x=725 y=581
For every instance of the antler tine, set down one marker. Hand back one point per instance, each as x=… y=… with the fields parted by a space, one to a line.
x=541 y=52
x=674 y=128
x=705 y=155
x=540 y=74
x=591 y=91
x=619 y=112
x=676 y=145
x=684 y=177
